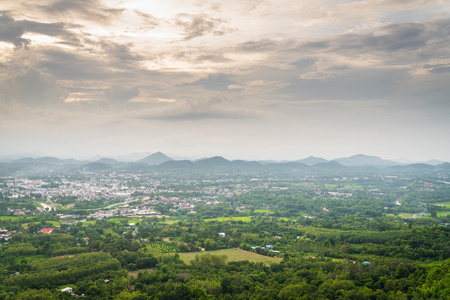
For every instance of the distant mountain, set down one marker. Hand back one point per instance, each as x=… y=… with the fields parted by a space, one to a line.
x=330 y=165
x=176 y=164
x=106 y=160
x=49 y=160
x=434 y=162
x=365 y=160
x=132 y=157
x=417 y=168
x=420 y=166
x=312 y=160
x=215 y=161
x=155 y=159
x=266 y=162
x=25 y=160
x=42 y=160
x=444 y=166
x=286 y=166
x=95 y=167
x=245 y=164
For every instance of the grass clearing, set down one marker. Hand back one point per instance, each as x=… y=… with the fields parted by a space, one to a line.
x=49 y=224
x=233 y=255
x=287 y=219
x=135 y=273
x=13 y=218
x=413 y=216
x=171 y=220
x=444 y=204
x=264 y=211
x=224 y=219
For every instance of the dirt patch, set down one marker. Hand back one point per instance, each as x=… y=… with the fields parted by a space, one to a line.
x=64 y=256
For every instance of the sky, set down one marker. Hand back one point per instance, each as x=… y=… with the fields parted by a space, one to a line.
x=247 y=79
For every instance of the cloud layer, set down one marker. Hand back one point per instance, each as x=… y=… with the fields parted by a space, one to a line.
x=204 y=78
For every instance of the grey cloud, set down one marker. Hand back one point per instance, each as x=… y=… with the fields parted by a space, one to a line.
x=216 y=107
x=318 y=45
x=72 y=66
x=397 y=37
x=440 y=68
x=401 y=42
x=199 y=25
x=195 y=116
x=119 y=95
x=32 y=88
x=149 y=19
x=258 y=46
x=11 y=31
x=51 y=29
x=212 y=58
x=92 y=10
x=200 y=56
x=120 y=55
x=217 y=81
x=117 y=61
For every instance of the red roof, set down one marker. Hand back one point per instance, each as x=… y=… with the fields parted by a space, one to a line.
x=47 y=230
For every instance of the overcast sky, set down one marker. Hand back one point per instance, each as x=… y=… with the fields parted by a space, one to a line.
x=251 y=79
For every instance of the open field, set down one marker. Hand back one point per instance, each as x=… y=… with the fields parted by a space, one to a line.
x=264 y=211
x=423 y=215
x=115 y=220
x=413 y=216
x=233 y=255
x=49 y=224
x=223 y=219
x=442 y=213
x=12 y=218
x=444 y=204
x=287 y=219
x=135 y=273
x=171 y=220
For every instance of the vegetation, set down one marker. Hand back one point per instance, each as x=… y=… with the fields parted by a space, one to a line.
x=279 y=237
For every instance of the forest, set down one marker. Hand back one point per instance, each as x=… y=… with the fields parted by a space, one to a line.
x=282 y=238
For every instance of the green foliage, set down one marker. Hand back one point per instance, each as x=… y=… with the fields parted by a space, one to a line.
x=165 y=247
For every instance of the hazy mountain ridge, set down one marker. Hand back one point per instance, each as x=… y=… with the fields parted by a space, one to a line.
x=155 y=159
x=312 y=160
x=158 y=161
x=363 y=160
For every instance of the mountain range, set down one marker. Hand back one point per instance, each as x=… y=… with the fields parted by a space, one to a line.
x=160 y=162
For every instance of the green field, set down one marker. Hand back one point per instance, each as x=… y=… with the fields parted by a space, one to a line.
x=49 y=224
x=170 y=220
x=444 y=204
x=423 y=215
x=233 y=255
x=13 y=218
x=264 y=211
x=223 y=219
x=287 y=219
x=413 y=216
x=115 y=220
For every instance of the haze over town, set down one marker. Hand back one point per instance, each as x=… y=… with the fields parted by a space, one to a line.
x=251 y=80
